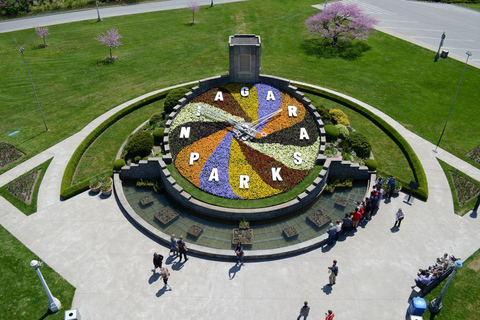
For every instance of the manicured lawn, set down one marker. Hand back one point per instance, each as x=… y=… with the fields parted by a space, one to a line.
x=459 y=209
x=461 y=300
x=74 y=85
x=474 y=6
x=101 y=154
x=22 y=295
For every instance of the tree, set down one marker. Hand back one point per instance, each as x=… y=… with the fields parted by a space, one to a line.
x=341 y=22
x=195 y=8
x=42 y=33
x=110 y=40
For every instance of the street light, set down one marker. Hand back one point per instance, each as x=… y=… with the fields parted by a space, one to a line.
x=436 y=305
x=53 y=303
x=34 y=92
x=451 y=107
x=439 y=47
x=98 y=12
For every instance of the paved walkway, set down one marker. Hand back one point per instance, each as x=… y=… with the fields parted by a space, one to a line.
x=105 y=12
x=90 y=242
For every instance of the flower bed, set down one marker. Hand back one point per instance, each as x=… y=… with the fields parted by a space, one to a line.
x=465 y=187
x=474 y=154
x=218 y=148
x=9 y=154
x=22 y=188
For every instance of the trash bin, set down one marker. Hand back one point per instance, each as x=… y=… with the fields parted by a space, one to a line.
x=72 y=315
x=417 y=307
x=444 y=54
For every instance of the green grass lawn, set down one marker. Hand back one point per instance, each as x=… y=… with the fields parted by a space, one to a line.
x=75 y=86
x=474 y=6
x=100 y=155
x=461 y=300
x=21 y=293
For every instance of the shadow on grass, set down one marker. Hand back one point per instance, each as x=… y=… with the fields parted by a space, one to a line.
x=343 y=50
x=106 y=61
x=47 y=314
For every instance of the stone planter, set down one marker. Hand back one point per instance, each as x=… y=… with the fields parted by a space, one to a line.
x=95 y=189
x=107 y=192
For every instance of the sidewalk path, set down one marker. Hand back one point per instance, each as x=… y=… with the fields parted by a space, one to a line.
x=89 y=241
x=106 y=12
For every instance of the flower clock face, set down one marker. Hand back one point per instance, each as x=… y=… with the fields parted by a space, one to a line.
x=242 y=141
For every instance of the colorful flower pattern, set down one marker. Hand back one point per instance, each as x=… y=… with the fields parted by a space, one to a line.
x=213 y=140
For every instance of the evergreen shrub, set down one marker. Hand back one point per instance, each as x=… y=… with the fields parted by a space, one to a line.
x=140 y=144
x=158 y=135
x=331 y=132
x=339 y=117
x=172 y=99
x=372 y=164
x=360 y=144
x=118 y=164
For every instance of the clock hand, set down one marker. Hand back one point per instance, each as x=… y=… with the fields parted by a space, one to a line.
x=265 y=119
x=215 y=113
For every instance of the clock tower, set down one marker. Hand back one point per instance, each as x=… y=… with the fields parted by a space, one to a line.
x=244 y=55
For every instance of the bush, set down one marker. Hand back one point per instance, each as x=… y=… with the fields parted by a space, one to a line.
x=157 y=117
x=172 y=99
x=343 y=130
x=359 y=143
x=140 y=144
x=158 y=135
x=137 y=159
x=372 y=164
x=326 y=117
x=118 y=164
x=332 y=132
x=339 y=117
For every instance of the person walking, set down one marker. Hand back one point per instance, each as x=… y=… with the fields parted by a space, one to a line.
x=399 y=217
x=329 y=315
x=165 y=274
x=333 y=273
x=304 y=311
x=173 y=245
x=157 y=261
x=240 y=254
x=332 y=232
x=182 y=249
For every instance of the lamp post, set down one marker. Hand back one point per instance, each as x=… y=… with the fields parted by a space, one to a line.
x=34 y=92
x=211 y=4
x=53 y=303
x=439 y=47
x=451 y=107
x=436 y=305
x=98 y=11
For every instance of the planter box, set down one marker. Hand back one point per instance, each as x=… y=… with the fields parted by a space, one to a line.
x=146 y=200
x=166 y=215
x=290 y=232
x=342 y=202
x=244 y=236
x=195 y=230
x=319 y=218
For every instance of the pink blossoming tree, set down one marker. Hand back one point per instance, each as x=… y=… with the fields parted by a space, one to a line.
x=110 y=40
x=195 y=8
x=42 y=33
x=339 y=22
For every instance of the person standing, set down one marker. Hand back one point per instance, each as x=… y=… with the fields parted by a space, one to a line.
x=182 y=249
x=356 y=218
x=368 y=208
x=347 y=223
x=165 y=274
x=399 y=217
x=333 y=273
x=173 y=245
x=339 y=228
x=304 y=311
x=332 y=232
x=157 y=261
x=240 y=254
x=329 y=315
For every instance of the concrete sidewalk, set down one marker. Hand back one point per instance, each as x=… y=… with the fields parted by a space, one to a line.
x=89 y=241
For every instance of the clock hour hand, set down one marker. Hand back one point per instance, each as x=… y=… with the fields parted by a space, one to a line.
x=262 y=120
x=215 y=113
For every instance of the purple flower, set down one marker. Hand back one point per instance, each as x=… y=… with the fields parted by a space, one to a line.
x=267 y=107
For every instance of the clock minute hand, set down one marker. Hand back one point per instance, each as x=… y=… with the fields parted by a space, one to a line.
x=216 y=114
x=264 y=119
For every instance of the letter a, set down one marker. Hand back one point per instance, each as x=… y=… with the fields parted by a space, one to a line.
x=304 y=134
x=270 y=95
x=219 y=96
x=213 y=175
x=244 y=181
x=184 y=132
x=193 y=157
x=276 y=174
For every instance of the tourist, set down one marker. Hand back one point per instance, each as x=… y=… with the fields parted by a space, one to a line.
x=368 y=208
x=329 y=315
x=392 y=184
x=240 y=254
x=347 y=223
x=356 y=218
x=339 y=229
x=182 y=249
x=173 y=245
x=399 y=217
x=333 y=273
x=165 y=274
x=304 y=311
x=332 y=232
x=379 y=181
x=157 y=261
x=423 y=280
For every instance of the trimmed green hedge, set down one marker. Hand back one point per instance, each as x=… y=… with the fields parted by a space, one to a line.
x=331 y=132
x=413 y=161
x=67 y=190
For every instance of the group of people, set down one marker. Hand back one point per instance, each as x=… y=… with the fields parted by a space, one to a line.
x=177 y=248
x=425 y=276
x=305 y=310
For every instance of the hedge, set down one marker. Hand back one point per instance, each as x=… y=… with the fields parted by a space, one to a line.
x=413 y=161
x=67 y=190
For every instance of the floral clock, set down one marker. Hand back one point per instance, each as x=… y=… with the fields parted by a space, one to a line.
x=242 y=141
